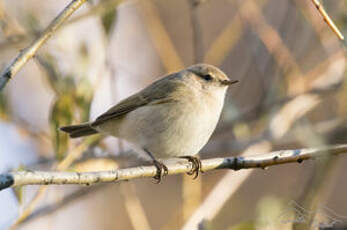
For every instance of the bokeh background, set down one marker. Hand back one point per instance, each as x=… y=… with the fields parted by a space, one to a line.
x=291 y=94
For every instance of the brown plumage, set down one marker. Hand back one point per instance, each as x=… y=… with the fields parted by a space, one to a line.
x=173 y=116
x=79 y=130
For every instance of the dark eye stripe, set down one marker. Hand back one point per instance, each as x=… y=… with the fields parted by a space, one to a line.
x=206 y=77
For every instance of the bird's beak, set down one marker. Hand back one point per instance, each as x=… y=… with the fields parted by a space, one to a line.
x=228 y=82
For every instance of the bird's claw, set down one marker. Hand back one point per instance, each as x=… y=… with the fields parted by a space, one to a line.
x=162 y=171
x=196 y=169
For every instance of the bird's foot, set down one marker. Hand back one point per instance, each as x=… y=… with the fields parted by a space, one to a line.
x=162 y=171
x=196 y=169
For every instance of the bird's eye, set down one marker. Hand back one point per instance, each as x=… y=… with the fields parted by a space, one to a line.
x=207 y=77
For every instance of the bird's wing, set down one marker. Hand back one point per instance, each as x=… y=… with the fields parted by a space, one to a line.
x=157 y=93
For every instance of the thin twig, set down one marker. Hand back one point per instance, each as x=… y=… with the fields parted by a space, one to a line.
x=196 y=31
x=18 y=178
x=39 y=195
x=161 y=39
x=327 y=19
x=275 y=45
x=30 y=51
x=66 y=200
x=223 y=44
x=223 y=190
x=134 y=208
x=310 y=15
x=63 y=165
x=100 y=9
x=20 y=37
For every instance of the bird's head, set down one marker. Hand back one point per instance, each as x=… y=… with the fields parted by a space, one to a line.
x=208 y=77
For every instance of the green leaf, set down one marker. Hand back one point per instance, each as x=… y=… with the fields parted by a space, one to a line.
x=3 y=107
x=61 y=114
x=108 y=19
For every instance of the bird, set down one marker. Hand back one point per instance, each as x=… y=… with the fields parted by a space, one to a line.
x=174 y=117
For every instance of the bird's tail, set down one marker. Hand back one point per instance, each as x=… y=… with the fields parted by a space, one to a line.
x=80 y=130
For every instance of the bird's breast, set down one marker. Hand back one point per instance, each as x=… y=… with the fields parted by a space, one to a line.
x=177 y=128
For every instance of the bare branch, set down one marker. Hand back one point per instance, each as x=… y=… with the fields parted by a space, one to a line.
x=30 y=51
x=66 y=200
x=160 y=36
x=327 y=19
x=235 y=163
x=223 y=190
x=250 y=11
x=196 y=30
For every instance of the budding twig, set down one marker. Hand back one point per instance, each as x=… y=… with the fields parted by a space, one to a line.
x=235 y=163
x=30 y=51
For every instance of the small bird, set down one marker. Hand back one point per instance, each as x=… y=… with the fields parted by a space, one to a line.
x=173 y=117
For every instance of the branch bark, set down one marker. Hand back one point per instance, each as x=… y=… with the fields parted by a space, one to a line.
x=235 y=163
x=30 y=51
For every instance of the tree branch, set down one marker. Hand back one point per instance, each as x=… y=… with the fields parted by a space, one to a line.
x=30 y=51
x=235 y=163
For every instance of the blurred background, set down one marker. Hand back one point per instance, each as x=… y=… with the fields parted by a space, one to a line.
x=292 y=94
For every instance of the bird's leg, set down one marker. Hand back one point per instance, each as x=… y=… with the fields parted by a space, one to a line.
x=162 y=170
x=196 y=162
